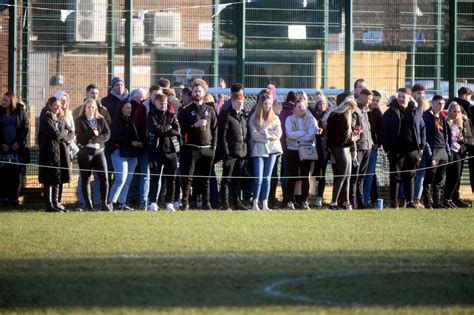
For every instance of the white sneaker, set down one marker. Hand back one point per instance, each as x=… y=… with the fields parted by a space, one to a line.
x=318 y=202
x=290 y=206
x=305 y=206
x=153 y=207
x=176 y=205
x=265 y=206
x=169 y=207
x=255 y=206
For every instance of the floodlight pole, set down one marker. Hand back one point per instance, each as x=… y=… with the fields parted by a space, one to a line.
x=241 y=43
x=25 y=55
x=439 y=12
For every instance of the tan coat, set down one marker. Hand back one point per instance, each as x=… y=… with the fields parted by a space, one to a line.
x=265 y=140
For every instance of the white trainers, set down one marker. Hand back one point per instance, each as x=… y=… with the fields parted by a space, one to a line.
x=153 y=207
x=176 y=205
x=290 y=205
x=255 y=206
x=305 y=206
x=265 y=206
x=318 y=202
x=170 y=207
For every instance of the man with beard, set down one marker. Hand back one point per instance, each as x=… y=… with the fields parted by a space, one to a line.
x=199 y=132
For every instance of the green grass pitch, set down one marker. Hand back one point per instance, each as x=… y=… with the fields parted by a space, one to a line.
x=219 y=262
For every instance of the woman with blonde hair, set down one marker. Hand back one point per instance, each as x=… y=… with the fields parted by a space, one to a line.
x=265 y=133
x=53 y=130
x=92 y=132
x=341 y=143
x=458 y=140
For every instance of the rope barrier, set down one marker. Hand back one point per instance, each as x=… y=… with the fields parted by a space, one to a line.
x=230 y=177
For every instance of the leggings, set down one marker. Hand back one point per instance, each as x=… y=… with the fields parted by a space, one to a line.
x=341 y=170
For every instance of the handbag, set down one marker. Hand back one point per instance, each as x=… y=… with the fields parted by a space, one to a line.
x=307 y=152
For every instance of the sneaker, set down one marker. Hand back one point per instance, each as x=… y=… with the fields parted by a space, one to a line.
x=290 y=206
x=255 y=206
x=318 y=202
x=305 y=206
x=412 y=205
x=333 y=206
x=185 y=206
x=170 y=207
x=142 y=206
x=177 y=205
x=206 y=206
x=347 y=206
x=199 y=203
x=449 y=204
x=153 y=207
x=107 y=207
x=419 y=205
x=125 y=207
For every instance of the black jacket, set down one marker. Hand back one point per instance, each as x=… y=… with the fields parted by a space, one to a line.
x=189 y=115
x=391 y=125
x=50 y=135
x=163 y=131
x=85 y=134
x=375 y=120
x=122 y=133
x=429 y=119
x=23 y=128
x=232 y=135
x=337 y=131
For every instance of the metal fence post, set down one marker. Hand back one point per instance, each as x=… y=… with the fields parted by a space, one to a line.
x=439 y=12
x=325 y=46
x=12 y=45
x=241 y=43
x=25 y=53
x=128 y=43
x=453 y=51
x=349 y=46
x=111 y=40
x=215 y=44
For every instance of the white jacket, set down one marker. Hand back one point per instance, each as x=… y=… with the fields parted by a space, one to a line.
x=265 y=140
x=296 y=137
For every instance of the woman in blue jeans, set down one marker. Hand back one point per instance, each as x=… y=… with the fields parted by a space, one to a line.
x=265 y=133
x=123 y=147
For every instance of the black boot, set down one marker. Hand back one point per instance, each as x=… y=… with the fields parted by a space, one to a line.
x=55 y=198
x=86 y=192
x=47 y=194
x=427 y=201
x=224 y=197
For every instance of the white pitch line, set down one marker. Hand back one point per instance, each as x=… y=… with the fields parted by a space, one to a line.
x=272 y=288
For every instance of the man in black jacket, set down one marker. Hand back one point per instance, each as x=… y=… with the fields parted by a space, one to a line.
x=232 y=147
x=403 y=138
x=438 y=138
x=198 y=123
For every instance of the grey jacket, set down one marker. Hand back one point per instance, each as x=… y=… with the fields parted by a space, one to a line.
x=360 y=119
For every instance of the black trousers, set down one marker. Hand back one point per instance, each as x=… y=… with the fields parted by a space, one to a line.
x=230 y=182
x=10 y=183
x=319 y=171
x=169 y=163
x=453 y=177
x=358 y=175
x=403 y=168
x=298 y=170
x=90 y=159
x=196 y=161
x=433 y=182
x=341 y=168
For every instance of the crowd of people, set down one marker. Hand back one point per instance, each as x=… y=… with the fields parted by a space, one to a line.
x=158 y=148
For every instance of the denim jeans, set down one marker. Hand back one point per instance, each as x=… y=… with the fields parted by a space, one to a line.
x=262 y=168
x=123 y=168
x=96 y=190
x=370 y=178
x=144 y=186
x=419 y=179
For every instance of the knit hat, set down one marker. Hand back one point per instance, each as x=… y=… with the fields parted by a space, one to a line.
x=116 y=80
x=272 y=88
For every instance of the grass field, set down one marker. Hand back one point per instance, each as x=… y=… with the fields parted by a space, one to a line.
x=214 y=262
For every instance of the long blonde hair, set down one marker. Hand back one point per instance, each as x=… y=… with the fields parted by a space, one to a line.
x=459 y=120
x=346 y=108
x=86 y=102
x=259 y=117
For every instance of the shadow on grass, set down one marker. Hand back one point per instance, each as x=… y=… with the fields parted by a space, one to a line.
x=148 y=280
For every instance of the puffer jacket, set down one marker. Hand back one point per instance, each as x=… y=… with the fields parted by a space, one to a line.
x=296 y=136
x=232 y=134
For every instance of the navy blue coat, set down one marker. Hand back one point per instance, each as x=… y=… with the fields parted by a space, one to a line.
x=429 y=119
x=391 y=125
